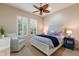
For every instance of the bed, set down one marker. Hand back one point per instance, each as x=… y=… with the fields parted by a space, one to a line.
x=44 y=44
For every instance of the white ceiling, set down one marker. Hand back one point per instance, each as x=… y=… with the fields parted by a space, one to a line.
x=29 y=8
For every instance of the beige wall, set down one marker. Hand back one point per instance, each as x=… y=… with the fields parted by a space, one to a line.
x=8 y=17
x=68 y=17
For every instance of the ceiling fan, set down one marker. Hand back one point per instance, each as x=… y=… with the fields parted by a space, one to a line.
x=42 y=9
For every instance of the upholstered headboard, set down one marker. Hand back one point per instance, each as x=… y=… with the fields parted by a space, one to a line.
x=56 y=28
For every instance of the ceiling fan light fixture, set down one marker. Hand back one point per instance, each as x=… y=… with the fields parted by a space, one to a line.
x=42 y=9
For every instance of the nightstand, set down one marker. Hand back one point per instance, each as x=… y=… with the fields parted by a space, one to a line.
x=69 y=43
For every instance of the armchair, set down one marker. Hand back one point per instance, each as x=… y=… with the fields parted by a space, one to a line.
x=17 y=42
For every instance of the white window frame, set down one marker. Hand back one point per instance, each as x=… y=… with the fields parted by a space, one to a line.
x=36 y=23
x=23 y=18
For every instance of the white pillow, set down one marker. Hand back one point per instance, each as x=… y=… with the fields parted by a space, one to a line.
x=52 y=33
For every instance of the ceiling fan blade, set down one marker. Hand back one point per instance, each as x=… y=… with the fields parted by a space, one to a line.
x=36 y=7
x=46 y=11
x=35 y=11
x=45 y=6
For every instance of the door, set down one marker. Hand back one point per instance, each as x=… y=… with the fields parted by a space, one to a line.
x=33 y=27
x=22 y=25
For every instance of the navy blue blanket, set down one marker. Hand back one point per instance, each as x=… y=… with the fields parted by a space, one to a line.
x=53 y=39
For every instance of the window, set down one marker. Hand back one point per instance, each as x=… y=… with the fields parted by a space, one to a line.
x=33 y=26
x=22 y=25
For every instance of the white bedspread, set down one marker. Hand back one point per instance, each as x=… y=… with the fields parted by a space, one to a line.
x=47 y=40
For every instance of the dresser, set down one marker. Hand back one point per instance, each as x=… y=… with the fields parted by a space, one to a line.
x=5 y=46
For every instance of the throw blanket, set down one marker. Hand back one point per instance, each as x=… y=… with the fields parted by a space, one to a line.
x=53 y=39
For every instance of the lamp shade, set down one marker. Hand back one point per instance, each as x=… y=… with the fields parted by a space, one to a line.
x=69 y=32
